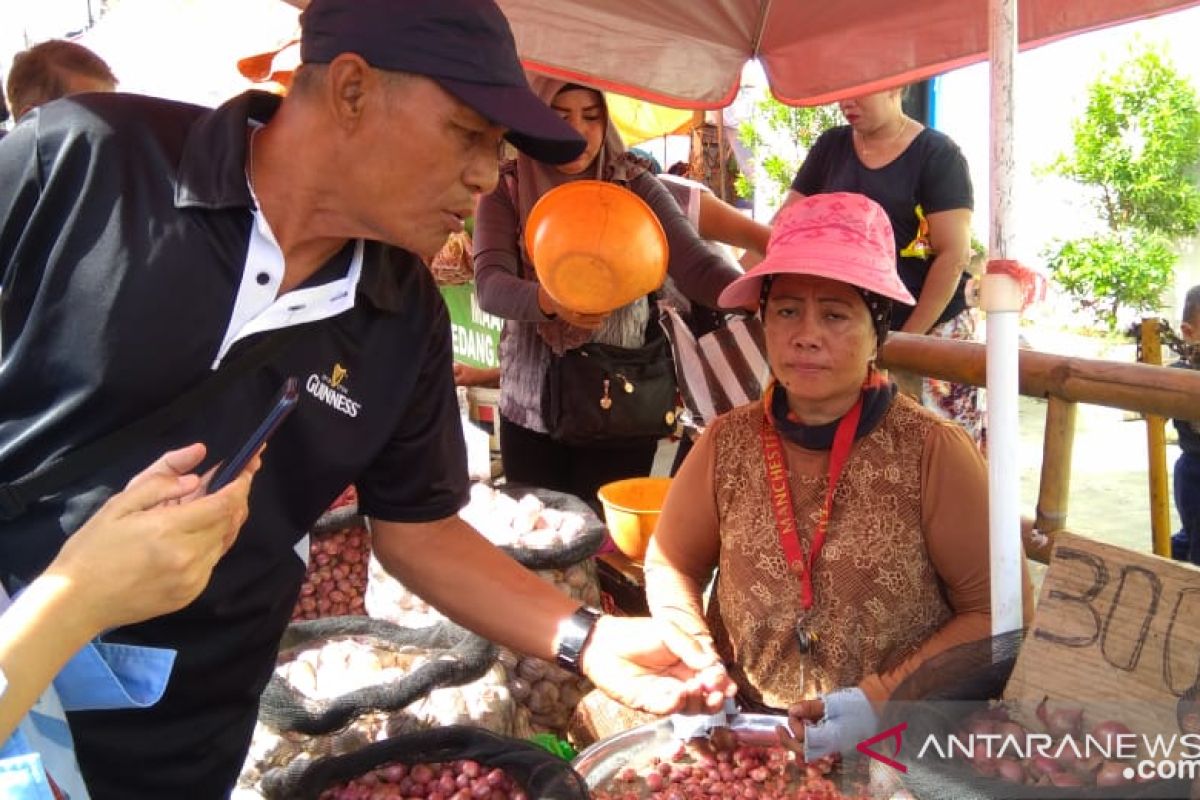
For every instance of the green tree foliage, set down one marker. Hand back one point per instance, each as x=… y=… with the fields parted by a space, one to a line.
x=1135 y=146
x=778 y=137
x=1126 y=268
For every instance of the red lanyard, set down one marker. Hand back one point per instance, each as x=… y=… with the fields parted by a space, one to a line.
x=781 y=495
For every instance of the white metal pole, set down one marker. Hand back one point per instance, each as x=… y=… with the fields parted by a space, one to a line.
x=1001 y=299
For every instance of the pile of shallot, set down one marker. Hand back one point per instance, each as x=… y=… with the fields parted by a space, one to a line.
x=336 y=582
x=456 y=780
x=754 y=773
x=336 y=579
x=1063 y=750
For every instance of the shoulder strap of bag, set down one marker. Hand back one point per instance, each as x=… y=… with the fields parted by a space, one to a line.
x=52 y=476
x=656 y=320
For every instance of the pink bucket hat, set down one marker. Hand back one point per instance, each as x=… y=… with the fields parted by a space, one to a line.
x=841 y=236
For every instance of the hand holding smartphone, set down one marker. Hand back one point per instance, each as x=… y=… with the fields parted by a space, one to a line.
x=284 y=403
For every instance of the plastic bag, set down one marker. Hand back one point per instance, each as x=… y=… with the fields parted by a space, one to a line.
x=385 y=681
x=454 y=263
x=552 y=533
x=461 y=657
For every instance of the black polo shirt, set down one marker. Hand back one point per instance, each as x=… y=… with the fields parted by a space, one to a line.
x=124 y=224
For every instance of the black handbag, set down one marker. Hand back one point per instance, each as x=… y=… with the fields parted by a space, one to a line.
x=601 y=394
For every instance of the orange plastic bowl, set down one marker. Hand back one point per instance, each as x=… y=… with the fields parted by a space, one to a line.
x=595 y=246
x=631 y=509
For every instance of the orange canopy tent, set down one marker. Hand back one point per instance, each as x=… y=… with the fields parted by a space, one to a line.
x=690 y=53
x=636 y=120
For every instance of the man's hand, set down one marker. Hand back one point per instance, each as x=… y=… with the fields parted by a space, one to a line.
x=645 y=666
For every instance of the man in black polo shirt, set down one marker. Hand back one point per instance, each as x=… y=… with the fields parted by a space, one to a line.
x=143 y=243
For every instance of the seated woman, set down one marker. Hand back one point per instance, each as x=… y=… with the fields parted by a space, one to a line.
x=537 y=326
x=848 y=526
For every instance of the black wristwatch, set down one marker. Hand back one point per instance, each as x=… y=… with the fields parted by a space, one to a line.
x=573 y=635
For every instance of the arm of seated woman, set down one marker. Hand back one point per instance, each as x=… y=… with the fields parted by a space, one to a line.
x=686 y=546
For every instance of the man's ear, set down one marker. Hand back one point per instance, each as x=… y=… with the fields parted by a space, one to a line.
x=1188 y=331
x=350 y=80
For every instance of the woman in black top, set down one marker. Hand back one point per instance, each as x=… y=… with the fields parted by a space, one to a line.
x=920 y=177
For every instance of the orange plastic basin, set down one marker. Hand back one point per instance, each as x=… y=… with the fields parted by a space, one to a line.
x=631 y=509
x=595 y=246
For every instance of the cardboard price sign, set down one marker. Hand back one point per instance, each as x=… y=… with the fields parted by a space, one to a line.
x=1116 y=633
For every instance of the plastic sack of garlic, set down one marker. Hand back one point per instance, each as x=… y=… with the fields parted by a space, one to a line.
x=524 y=527
x=341 y=666
x=527 y=528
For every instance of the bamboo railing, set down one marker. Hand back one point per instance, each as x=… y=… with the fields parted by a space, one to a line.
x=1065 y=381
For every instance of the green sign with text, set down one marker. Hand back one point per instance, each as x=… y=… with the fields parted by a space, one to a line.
x=476 y=334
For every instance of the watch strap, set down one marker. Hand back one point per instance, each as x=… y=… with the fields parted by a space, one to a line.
x=573 y=635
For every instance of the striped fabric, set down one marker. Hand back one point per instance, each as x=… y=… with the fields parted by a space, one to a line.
x=720 y=370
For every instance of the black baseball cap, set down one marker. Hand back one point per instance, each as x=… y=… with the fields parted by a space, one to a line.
x=464 y=45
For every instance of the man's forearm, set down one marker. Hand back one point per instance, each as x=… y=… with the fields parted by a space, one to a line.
x=474 y=583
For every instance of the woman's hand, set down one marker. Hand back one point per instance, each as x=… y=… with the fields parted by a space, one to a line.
x=688 y=636
x=552 y=308
x=799 y=715
x=151 y=548
x=631 y=660
x=833 y=723
x=465 y=375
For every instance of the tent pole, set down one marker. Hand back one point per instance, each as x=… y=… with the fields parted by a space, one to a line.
x=721 y=159
x=1001 y=299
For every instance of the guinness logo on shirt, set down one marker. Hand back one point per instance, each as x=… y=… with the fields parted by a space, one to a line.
x=332 y=391
x=339 y=375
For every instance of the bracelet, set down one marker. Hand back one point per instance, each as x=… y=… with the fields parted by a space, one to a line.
x=574 y=633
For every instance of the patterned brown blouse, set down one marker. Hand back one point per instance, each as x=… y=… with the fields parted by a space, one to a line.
x=903 y=573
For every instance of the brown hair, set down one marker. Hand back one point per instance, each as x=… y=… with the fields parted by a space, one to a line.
x=43 y=72
x=1191 y=305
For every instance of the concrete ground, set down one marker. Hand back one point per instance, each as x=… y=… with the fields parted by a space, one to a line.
x=1110 y=494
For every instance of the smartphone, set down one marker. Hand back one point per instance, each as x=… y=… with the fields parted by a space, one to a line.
x=285 y=401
